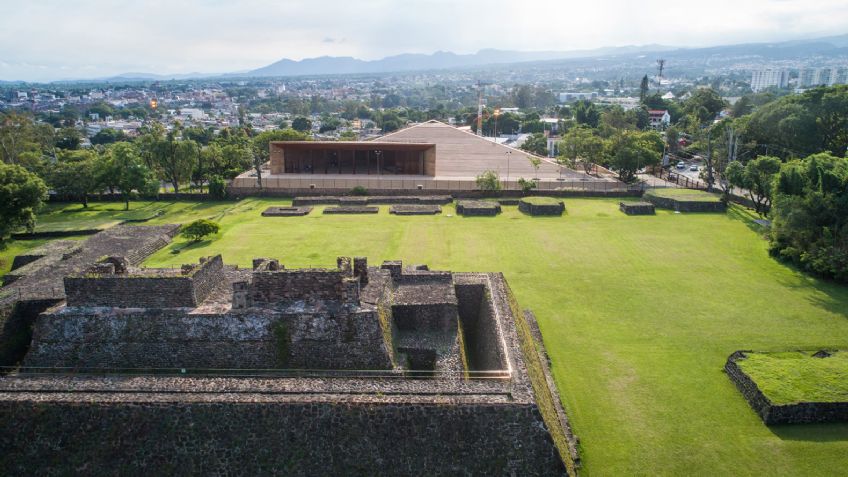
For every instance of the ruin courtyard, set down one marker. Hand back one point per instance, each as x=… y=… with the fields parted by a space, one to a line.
x=639 y=369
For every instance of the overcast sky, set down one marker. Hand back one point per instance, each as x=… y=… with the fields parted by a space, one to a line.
x=57 y=39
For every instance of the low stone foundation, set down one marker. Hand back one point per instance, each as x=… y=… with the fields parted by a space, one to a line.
x=770 y=413
x=477 y=208
x=351 y=209
x=554 y=208
x=415 y=209
x=686 y=205
x=636 y=208
x=286 y=211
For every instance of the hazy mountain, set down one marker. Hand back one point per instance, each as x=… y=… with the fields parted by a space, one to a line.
x=827 y=47
x=438 y=60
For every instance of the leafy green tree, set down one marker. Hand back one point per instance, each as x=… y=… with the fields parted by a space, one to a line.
x=489 y=181
x=176 y=159
x=537 y=143
x=757 y=177
x=126 y=171
x=631 y=151
x=20 y=140
x=301 y=124
x=108 y=136
x=643 y=88
x=261 y=146
x=217 y=187
x=586 y=113
x=199 y=229
x=810 y=215
x=22 y=193
x=68 y=138
x=705 y=104
x=581 y=144
x=536 y=163
x=75 y=175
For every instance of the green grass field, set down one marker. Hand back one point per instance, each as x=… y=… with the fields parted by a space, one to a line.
x=797 y=376
x=638 y=313
x=684 y=194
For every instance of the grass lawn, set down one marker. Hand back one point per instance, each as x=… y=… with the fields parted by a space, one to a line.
x=638 y=313
x=798 y=376
x=685 y=195
x=541 y=200
x=98 y=215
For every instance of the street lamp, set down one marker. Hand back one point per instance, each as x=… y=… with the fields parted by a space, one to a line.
x=508 y=154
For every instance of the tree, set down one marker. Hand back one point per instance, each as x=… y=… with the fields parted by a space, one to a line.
x=527 y=185
x=705 y=104
x=301 y=124
x=261 y=146
x=581 y=144
x=20 y=141
x=176 y=159
x=586 y=113
x=68 y=138
x=631 y=151
x=810 y=215
x=217 y=187
x=21 y=194
x=537 y=143
x=75 y=175
x=757 y=177
x=199 y=229
x=535 y=162
x=108 y=136
x=127 y=171
x=643 y=88
x=489 y=181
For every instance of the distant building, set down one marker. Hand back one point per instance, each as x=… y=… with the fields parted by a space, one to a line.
x=570 y=97
x=810 y=77
x=659 y=119
x=763 y=79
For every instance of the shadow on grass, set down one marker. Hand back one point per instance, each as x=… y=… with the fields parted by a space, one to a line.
x=748 y=217
x=187 y=246
x=811 y=432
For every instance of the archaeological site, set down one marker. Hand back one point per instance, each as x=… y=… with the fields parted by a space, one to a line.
x=212 y=368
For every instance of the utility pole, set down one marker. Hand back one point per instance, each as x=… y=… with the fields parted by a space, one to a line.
x=710 y=177
x=479 y=108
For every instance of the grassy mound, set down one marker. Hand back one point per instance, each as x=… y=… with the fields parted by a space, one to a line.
x=684 y=195
x=798 y=376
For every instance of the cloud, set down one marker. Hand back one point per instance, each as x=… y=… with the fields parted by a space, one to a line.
x=213 y=36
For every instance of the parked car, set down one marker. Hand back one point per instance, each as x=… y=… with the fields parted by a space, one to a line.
x=681 y=165
x=693 y=168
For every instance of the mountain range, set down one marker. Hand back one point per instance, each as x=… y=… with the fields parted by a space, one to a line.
x=328 y=65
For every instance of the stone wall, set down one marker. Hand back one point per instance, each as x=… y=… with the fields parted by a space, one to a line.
x=284 y=438
x=541 y=209
x=477 y=317
x=172 y=338
x=636 y=208
x=144 y=289
x=771 y=414
x=686 y=205
x=268 y=288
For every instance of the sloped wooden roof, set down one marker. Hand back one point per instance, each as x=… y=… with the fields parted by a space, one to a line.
x=462 y=154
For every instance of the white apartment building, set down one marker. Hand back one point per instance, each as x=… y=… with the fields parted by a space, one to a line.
x=763 y=79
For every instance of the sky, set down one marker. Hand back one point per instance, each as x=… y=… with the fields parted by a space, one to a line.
x=44 y=40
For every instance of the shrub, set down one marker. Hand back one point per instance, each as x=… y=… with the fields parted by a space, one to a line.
x=218 y=187
x=199 y=229
x=489 y=181
x=527 y=185
x=359 y=190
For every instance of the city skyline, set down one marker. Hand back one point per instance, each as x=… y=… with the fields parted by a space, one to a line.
x=54 y=40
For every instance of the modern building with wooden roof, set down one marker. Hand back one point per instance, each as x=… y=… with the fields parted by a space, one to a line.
x=431 y=155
